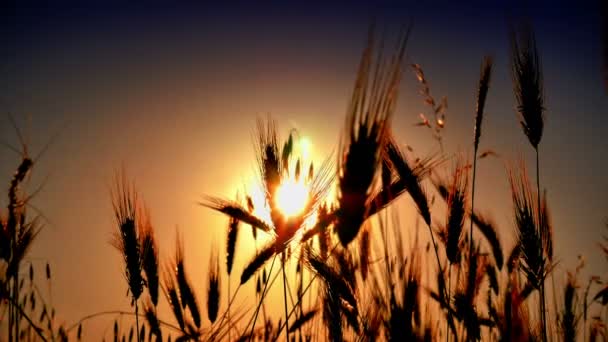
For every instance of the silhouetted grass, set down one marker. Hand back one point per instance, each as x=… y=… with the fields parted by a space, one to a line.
x=374 y=289
x=382 y=286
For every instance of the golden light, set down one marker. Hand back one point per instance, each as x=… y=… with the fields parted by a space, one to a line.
x=292 y=196
x=293 y=193
x=259 y=201
x=305 y=147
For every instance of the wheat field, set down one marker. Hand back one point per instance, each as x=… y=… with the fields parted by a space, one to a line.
x=373 y=241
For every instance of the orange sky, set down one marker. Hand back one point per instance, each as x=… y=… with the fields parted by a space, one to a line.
x=174 y=100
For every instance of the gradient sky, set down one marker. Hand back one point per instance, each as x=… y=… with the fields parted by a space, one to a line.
x=172 y=94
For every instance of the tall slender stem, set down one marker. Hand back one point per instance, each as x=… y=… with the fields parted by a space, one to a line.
x=137 y=320
x=443 y=293
x=285 y=300
x=447 y=327
x=16 y=318
x=219 y=325
x=229 y=300
x=310 y=282
x=257 y=309
x=472 y=205
x=437 y=256
x=542 y=267
x=554 y=293
x=11 y=311
x=19 y=309
x=472 y=202
x=385 y=240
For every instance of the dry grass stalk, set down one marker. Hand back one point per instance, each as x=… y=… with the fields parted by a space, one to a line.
x=528 y=228
x=409 y=179
x=482 y=92
x=546 y=229
x=438 y=109
x=172 y=296
x=364 y=253
x=126 y=240
x=528 y=83
x=25 y=235
x=457 y=209
x=528 y=89
x=150 y=259
x=187 y=295
x=270 y=164
x=236 y=211
x=366 y=132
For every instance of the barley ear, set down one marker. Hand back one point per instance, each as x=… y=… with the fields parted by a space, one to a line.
x=125 y=205
x=213 y=289
x=528 y=83
x=482 y=92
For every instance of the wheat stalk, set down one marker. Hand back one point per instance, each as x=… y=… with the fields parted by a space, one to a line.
x=366 y=133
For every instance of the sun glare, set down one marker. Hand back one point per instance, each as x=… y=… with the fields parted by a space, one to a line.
x=292 y=197
x=305 y=148
x=293 y=193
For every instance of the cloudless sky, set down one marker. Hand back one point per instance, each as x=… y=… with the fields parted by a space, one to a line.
x=172 y=95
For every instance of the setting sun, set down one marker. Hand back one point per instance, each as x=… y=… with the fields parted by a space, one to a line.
x=292 y=196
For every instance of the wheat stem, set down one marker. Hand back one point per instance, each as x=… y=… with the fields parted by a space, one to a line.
x=18 y=309
x=285 y=299
x=312 y=279
x=385 y=237
x=228 y=310
x=447 y=326
x=440 y=270
x=257 y=309
x=542 y=269
x=472 y=202
x=11 y=312
x=219 y=325
x=137 y=320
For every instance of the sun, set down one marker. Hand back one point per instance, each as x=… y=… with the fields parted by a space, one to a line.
x=292 y=197
x=293 y=193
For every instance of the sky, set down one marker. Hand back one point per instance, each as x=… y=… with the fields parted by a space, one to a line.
x=172 y=94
